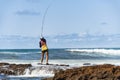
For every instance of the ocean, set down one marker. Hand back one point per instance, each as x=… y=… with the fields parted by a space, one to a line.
x=70 y=56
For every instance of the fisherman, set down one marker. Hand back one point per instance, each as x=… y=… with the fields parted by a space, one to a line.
x=44 y=49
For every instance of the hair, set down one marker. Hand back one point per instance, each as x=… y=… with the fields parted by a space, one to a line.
x=43 y=39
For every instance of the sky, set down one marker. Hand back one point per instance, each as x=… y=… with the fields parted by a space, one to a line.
x=68 y=23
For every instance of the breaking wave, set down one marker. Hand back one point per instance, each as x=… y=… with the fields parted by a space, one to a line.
x=103 y=51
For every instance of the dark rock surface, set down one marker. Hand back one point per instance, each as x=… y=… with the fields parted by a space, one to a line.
x=13 y=69
x=96 y=72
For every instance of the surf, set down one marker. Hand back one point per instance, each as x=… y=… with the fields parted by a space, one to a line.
x=95 y=50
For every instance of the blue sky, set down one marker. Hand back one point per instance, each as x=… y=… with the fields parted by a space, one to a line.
x=83 y=20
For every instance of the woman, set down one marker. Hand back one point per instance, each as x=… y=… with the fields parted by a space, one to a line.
x=44 y=49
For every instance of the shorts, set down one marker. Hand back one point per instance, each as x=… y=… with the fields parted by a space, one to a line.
x=45 y=51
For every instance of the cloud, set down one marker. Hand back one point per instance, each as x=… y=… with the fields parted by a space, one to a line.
x=28 y=12
x=67 y=36
x=57 y=41
x=18 y=42
x=16 y=38
x=103 y=23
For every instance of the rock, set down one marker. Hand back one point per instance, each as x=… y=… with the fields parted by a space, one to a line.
x=13 y=69
x=87 y=64
x=3 y=64
x=63 y=65
x=96 y=72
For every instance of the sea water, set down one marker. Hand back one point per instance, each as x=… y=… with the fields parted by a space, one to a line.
x=74 y=57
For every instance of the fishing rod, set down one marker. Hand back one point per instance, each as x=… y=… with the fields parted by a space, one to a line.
x=44 y=16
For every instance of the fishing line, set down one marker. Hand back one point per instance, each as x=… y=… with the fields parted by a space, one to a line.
x=44 y=16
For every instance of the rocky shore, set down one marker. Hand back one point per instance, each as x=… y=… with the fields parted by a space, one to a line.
x=23 y=69
x=13 y=69
x=95 y=72
x=62 y=72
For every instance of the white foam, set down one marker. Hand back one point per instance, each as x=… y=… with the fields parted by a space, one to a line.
x=43 y=70
x=61 y=61
x=38 y=72
x=18 y=53
x=104 y=51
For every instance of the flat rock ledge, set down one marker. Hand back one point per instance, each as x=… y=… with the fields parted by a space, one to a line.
x=95 y=72
x=13 y=69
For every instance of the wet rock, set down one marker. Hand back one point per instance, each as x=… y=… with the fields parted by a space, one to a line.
x=87 y=64
x=96 y=72
x=3 y=64
x=13 y=69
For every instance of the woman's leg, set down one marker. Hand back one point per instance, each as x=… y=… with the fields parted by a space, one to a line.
x=47 y=57
x=42 y=57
